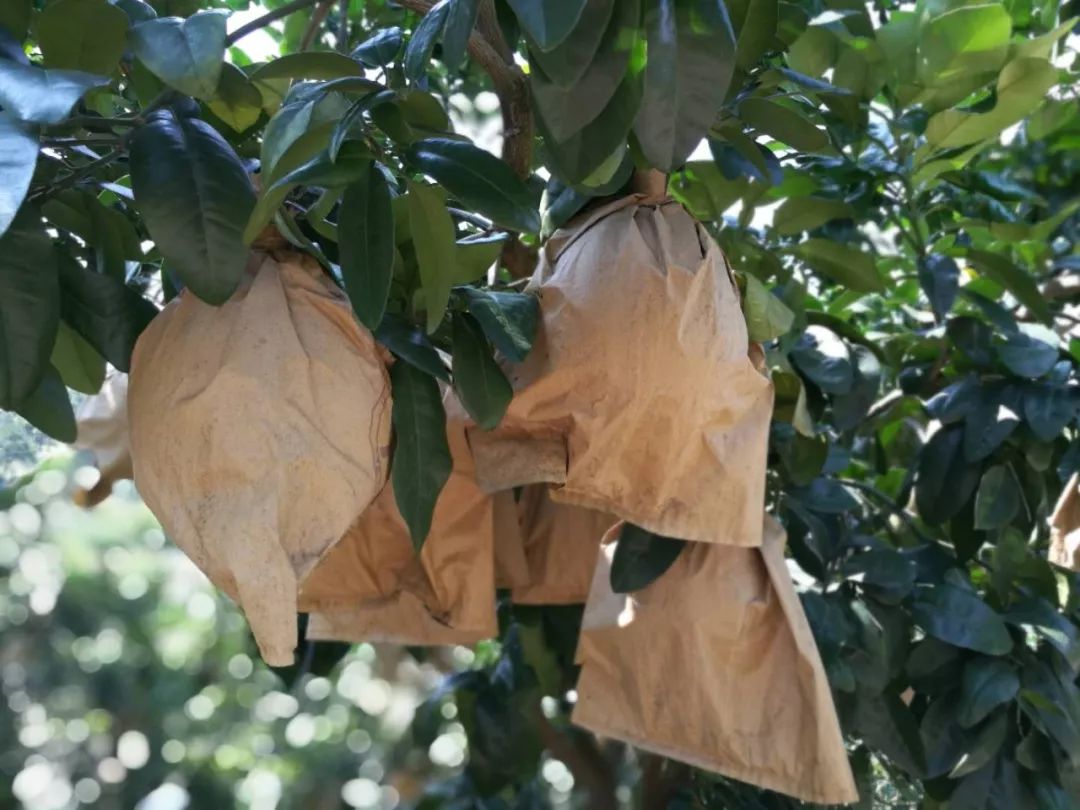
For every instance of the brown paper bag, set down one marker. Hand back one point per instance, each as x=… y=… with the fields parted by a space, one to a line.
x=1065 y=527
x=561 y=545
x=103 y=430
x=372 y=587
x=259 y=431
x=713 y=664
x=511 y=565
x=638 y=396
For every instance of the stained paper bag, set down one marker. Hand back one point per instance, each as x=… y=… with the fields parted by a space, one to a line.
x=373 y=587
x=638 y=397
x=561 y=544
x=511 y=564
x=103 y=430
x=1065 y=527
x=713 y=664
x=259 y=432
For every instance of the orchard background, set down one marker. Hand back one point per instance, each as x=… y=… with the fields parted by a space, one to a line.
x=895 y=185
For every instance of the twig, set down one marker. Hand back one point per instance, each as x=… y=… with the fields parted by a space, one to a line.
x=343 y=27
x=78 y=174
x=318 y=16
x=265 y=20
x=483 y=223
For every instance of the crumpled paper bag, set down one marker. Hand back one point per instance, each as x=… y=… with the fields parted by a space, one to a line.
x=373 y=587
x=511 y=564
x=714 y=664
x=561 y=543
x=638 y=396
x=103 y=430
x=259 y=432
x=1065 y=527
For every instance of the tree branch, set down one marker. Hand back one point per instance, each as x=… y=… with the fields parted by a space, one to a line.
x=318 y=17
x=265 y=20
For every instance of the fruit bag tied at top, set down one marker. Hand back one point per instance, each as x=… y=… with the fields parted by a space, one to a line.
x=259 y=432
x=638 y=397
x=714 y=664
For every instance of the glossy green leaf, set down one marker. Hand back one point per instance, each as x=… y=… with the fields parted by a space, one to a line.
x=79 y=365
x=566 y=63
x=186 y=54
x=421 y=463
x=786 y=123
x=300 y=129
x=998 y=498
x=460 y=19
x=1031 y=351
x=40 y=96
x=195 y=198
x=1048 y=409
x=380 y=49
x=48 y=407
x=881 y=568
x=509 y=320
x=767 y=317
x=961 y=618
x=29 y=306
x=480 y=180
x=945 y=479
x=939 y=277
x=423 y=39
x=479 y=382
x=1001 y=270
x=991 y=421
x=410 y=344
x=366 y=244
x=83 y=35
x=824 y=359
x=548 y=22
x=987 y=742
x=18 y=156
x=433 y=239
x=844 y=264
x=987 y=683
x=691 y=60
x=641 y=558
x=309 y=65
x=798 y=214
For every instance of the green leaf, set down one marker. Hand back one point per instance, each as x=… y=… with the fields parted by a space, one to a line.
x=1021 y=88
x=1048 y=409
x=1042 y=618
x=824 y=359
x=380 y=49
x=881 y=568
x=48 y=407
x=971 y=39
x=366 y=244
x=18 y=156
x=41 y=96
x=798 y=214
x=185 y=54
x=105 y=311
x=998 y=499
x=1000 y=270
x=755 y=21
x=433 y=238
x=86 y=35
x=641 y=558
x=136 y=10
x=29 y=306
x=474 y=256
x=548 y=22
x=842 y=263
x=460 y=19
x=479 y=382
x=767 y=317
x=566 y=63
x=939 y=277
x=345 y=127
x=509 y=320
x=421 y=464
x=786 y=123
x=991 y=421
x=691 y=59
x=945 y=479
x=15 y=17
x=480 y=180
x=237 y=102
x=961 y=618
x=423 y=39
x=984 y=747
x=826 y=496
x=80 y=367
x=195 y=198
x=986 y=684
x=411 y=345
x=309 y=65
x=1031 y=351
x=299 y=130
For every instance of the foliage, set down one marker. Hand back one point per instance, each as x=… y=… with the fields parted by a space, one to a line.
x=895 y=188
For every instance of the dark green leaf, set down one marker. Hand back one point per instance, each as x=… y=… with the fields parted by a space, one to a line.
x=987 y=683
x=881 y=568
x=955 y=401
x=1000 y=270
x=939 y=277
x=786 y=123
x=185 y=54
x=960 y=618
x=691 y=59
x=509 y=320
x=80 y=367
x=136 y=10
x=195 y=198
x=1048 y=409
x=641 y=558
x=460 y=19
x=850 y=409
x=973 y=337
x=344 y=128
x=309 y=65
x=479 y=382
x=945 y=478
x=824 y=359
x=992 y=421
x=548 y=22
x=480 y=180
x=29 y=307
x=48 y=407
x=380 y=49
x=40 y=96
x=755 y=21
x=87 y=35
x=15 y=17
x=566 y=63
x=18 y=155
x=433 y=239
x=943 y=738
x=422 y=41
x=1029 y=352
x=827 y=496
x=411 y=345
x=1040 y=617
x=366 y=244
x=887 y=724
x=987 y=742
x=798 y=214
x=421 y=464
x=104 y=310
x=843 y=264
x=998 y=499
